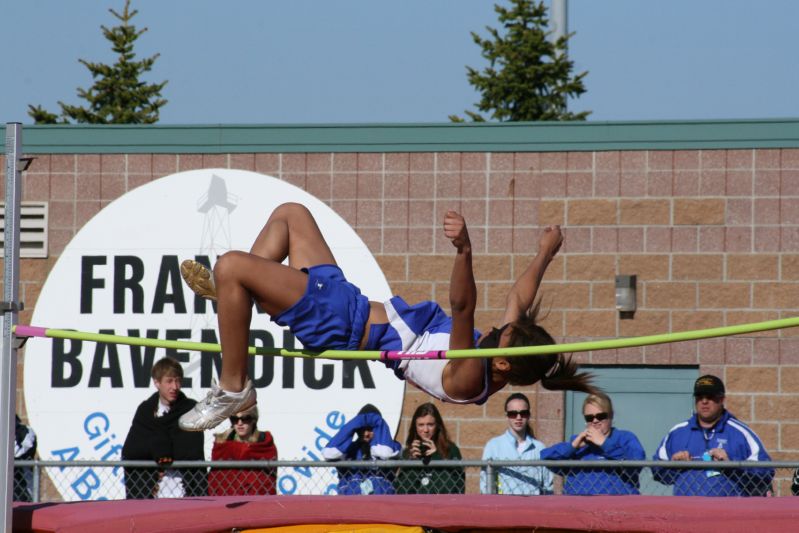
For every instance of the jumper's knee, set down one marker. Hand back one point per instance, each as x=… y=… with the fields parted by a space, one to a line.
x=228 y=267
x=290 y=210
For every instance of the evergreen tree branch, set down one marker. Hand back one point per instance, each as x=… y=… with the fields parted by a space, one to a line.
x=528 y=77
x=117 y=96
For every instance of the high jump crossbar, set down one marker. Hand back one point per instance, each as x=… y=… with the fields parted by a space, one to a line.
x=24 y=331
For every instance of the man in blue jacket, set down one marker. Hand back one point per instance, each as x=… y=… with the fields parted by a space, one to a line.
x=713 y=434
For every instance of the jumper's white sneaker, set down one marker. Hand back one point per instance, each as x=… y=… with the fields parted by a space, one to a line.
x=216 y=407
x=198 y=278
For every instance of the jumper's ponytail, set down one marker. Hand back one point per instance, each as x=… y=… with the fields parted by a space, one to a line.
x=555 y=371
x=564 y=376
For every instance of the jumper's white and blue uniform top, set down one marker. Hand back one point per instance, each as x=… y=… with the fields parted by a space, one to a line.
x=332 y=315
x=422 y=327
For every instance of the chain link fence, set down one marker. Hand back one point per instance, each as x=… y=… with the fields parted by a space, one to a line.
x=41 y=481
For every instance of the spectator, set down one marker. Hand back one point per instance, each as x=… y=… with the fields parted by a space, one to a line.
x=243 y=442
x=364 y=437
x=428 y=440
x=24 y=449
x=155 y=435
x=599 y=441
x=517 y=443
x=713 y=434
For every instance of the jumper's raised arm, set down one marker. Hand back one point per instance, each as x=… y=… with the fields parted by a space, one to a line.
x=462 y=378
x=522 y=295
x=462 y=289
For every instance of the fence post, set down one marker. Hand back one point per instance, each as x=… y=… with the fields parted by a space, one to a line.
x=36 y=496
x=491 y=478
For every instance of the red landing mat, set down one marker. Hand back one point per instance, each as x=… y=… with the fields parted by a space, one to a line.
x=446 y=512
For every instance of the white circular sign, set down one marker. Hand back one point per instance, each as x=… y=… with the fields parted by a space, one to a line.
x=120 y=275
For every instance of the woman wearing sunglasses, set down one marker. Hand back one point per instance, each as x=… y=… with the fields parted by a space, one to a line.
x=599 y=441
x=243 y=442
x=517 y=444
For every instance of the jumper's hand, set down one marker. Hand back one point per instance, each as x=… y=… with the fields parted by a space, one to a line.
x=455 y=230
x=550 y=241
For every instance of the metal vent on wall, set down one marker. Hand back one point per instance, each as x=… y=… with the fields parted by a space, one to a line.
x=32 y=229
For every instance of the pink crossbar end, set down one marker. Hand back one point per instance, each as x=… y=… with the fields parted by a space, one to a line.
x=393 y=355
x=29 y=331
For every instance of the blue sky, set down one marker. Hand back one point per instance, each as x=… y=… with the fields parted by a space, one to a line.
x=355 y=61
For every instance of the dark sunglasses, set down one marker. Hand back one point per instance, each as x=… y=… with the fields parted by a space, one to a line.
x=598 y=416
x=712 y=397
x=525 y=413
x=247 y=419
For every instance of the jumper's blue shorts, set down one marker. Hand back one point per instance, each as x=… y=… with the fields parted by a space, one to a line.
x=331 y=315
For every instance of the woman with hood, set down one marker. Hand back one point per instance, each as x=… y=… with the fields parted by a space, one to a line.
x=243 y=442
x=365 y=437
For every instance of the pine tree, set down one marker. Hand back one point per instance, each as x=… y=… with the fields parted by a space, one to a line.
x=117 y=96
x=529 y=77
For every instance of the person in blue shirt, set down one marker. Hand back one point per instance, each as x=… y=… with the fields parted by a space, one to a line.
x=713 y=434
x=599 y=441
x=517 y=443
x=365 y=437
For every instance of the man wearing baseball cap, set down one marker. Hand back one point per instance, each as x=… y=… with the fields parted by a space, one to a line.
x=713 y=434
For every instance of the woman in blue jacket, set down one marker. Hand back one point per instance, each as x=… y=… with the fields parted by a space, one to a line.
x=599 y=441
x=365 y=437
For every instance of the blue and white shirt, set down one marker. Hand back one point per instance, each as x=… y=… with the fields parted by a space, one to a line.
x=420 y=328
x=527 y=480
x=344 y=445
x=730 y=434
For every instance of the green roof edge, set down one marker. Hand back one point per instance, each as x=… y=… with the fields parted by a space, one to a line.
x=447 y=137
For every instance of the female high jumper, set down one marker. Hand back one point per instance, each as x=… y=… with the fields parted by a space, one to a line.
x=326 y=312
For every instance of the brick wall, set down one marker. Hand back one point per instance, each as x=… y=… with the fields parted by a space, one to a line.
x=712 y=235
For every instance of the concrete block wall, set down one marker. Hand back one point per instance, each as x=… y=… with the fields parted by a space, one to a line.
x=713 y=236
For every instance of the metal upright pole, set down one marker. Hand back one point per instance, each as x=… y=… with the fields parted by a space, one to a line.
x=10 y=306
x=559 y=19
x=559 y=22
